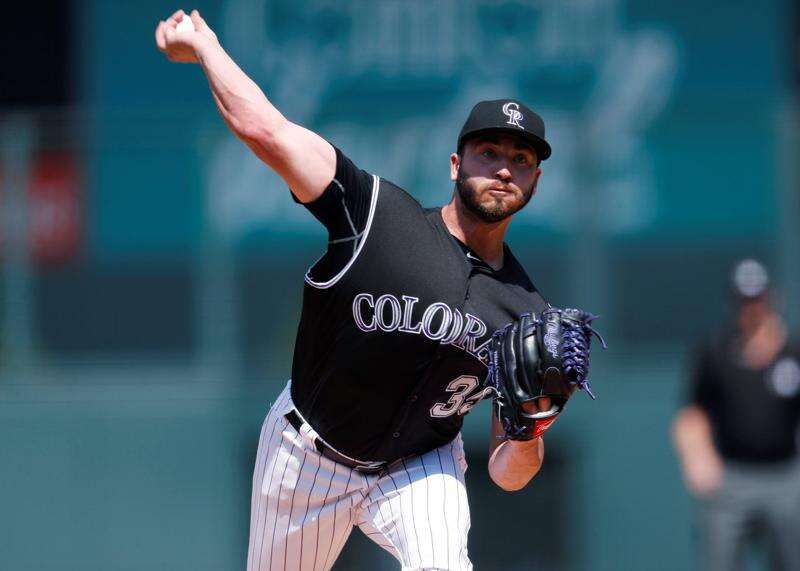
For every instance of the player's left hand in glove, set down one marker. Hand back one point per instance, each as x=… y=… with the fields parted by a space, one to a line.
x=536 y=356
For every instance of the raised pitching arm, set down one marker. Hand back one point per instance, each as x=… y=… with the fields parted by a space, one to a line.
x=304 y=160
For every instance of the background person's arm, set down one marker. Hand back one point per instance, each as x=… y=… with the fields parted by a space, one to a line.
x=700 y=463
x=301 y=157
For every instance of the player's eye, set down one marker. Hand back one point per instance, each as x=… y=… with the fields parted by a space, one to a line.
x=489 y=154
x=521 y=159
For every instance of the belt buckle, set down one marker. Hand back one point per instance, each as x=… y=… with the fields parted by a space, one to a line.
x=358 y=465
x=371 y=468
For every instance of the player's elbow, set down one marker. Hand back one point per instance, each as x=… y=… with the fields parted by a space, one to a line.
x=512 y=484
x=254 y=135
x=508 y=486
x=257 y=132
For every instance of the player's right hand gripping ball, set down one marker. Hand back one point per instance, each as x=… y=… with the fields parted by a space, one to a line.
x=544 y=355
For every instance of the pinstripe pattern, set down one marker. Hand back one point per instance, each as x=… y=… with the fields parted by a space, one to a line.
x=346 y=525
x=444 y=504
x=418 y=510
x=258 y=513
x=304 y=506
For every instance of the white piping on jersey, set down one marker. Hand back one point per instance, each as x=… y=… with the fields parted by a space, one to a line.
x=357 y=251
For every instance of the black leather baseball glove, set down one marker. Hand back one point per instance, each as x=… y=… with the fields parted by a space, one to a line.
x=539 y=355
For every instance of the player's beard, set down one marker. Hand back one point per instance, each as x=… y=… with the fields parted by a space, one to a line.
x=493 y=213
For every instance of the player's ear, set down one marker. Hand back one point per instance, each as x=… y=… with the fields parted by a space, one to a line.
x=536 y=176
x=455 y=161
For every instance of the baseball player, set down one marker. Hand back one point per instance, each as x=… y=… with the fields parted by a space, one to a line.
x=392 y=345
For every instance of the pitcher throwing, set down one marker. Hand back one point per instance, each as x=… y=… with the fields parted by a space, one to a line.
x=395 y=338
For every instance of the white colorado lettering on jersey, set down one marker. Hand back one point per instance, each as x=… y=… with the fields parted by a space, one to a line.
x=428 y=317
x=394 y=312
x=408 y=308
x=357 y=315
x=439 y=321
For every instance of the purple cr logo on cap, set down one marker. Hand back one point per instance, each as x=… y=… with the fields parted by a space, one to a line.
x=511 y=110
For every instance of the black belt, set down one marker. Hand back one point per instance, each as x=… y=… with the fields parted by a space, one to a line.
x=333 y=454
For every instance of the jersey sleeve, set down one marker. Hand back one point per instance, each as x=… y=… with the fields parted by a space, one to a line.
x=701 y=379
x=345 y=209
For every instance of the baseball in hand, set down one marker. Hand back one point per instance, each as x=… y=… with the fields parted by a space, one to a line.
x=185 y=25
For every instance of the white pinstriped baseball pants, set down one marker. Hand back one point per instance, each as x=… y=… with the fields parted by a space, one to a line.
x=304 y=505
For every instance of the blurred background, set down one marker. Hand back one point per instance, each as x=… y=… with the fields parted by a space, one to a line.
x=152 y=268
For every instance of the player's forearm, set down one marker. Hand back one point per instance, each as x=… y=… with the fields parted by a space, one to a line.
x=514 y=463
x=241 y=102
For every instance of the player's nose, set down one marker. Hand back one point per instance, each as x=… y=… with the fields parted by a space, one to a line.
x=504 y=174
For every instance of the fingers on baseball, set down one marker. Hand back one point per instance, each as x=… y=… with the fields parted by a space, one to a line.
x=198 y=21
x=175 y=18
x=163 y=28
x=160 y=40
x=201 y=26
x=167 y=35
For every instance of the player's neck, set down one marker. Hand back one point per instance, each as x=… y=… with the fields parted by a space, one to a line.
x=485 y=238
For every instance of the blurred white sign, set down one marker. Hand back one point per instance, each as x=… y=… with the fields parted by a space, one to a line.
x=614 y=81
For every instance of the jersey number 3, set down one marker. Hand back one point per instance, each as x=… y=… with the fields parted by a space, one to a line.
x=461 y=387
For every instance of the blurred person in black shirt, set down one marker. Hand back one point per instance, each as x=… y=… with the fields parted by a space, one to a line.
x=736 y=436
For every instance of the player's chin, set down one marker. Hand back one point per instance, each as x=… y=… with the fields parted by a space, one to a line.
x=500 y=208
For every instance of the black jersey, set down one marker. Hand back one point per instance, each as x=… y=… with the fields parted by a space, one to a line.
x=391 y=349
x=754 y=413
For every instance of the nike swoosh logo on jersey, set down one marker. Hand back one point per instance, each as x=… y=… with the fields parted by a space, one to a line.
x=476 y=260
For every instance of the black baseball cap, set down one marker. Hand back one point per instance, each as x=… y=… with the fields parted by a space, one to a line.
x=506 y=116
